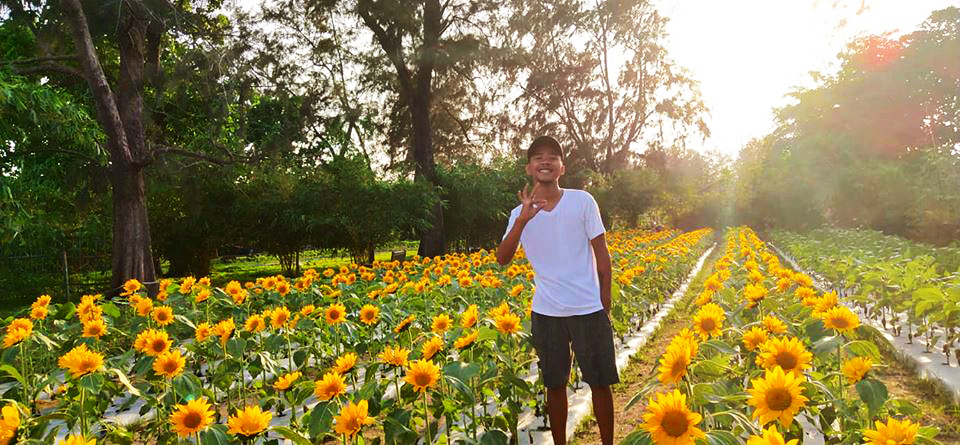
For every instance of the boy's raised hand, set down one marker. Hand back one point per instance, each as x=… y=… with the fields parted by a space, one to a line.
x=530 y=204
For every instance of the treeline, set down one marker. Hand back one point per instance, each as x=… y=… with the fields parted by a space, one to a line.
x=874 y=145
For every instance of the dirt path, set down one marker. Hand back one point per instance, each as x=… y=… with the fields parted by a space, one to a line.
x=643 y=365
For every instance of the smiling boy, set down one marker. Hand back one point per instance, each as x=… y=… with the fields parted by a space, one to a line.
x=563 y=237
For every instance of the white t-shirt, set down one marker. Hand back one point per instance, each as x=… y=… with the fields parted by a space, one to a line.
x=557 y=243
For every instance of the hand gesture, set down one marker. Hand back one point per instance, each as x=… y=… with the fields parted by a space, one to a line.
x=531 y=205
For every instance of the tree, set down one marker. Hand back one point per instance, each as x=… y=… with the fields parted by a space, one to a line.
x=574 y=85
x=134 y=58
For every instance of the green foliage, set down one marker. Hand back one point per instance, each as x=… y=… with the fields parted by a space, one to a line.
x=873 y=145
x=478 y=200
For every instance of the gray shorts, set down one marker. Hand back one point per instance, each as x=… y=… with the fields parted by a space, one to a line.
x=592 y=339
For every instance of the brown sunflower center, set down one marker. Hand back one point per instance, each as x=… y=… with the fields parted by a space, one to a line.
x=421 y=379
x=708 y=324
x=88 y=365
x=674 y=423
x=170 y=366
x=679 y=366
x=778 y=399
x=840 y=322
x=158 y=345
x=787 y=360
x=192 y=420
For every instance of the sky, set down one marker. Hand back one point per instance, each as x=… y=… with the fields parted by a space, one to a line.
x=749 y=54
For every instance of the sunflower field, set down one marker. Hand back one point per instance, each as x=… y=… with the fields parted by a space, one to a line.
x=909 y=288
x=398 y=352
x=769 y=360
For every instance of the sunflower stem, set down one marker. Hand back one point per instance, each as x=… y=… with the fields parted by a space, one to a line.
x=83 y=413
x=426 y=417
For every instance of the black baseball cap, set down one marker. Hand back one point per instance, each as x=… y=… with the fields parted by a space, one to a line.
x=544 y=141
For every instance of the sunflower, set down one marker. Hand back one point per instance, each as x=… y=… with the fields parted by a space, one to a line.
x=688 y=339
x=330 y=386
x=670 y=422
x=169 y=364
x=88 y=311
x=249 y=421
x=284 y=382
x=774 y=325
x=345 y=363
x=754 y=337
x=507 y=323
x=787 y=353
x=163 y=315
x=131 y=286
x=894 y=432
x=41 y=301
x=673 y=364
x=283 y=288
x=224 y=330
x=369 y=314
x=9 y=422
x=395 y=357
x=855 y=368
x=81 y=361
x=202 y=332
x=466 y=340
x=18 y=330
x=153 y=342
x=713 y=283
x=236 y=291
x=503 y=309
x=441 y=323
x=335 y=313
x=187 y=285
x=255 y=323
x=709 y=321
x=469 y=317
x=76 y=439
x=840 y=319
x=783 y=284
x=804 y=293
x=431 y=348
x=352 y=418
x=404 y=324
x=776 y=396
x=279 y=317
x=202 y=296
x=754 y=294
x=705 y=297
x=826 y=302
x=755 y=276
x=422 y=374
x=770 y=437
x=143 y=306
x=38 y=313
x=191 y=418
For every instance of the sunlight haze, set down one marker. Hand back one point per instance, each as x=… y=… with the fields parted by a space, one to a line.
x=747 y=55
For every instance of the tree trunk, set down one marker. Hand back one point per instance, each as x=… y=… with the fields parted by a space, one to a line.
x=120 y=116
x=432 y=242
x=132 y=257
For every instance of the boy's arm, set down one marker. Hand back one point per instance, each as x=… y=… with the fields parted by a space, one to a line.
x=529 y=208
x=604 y=269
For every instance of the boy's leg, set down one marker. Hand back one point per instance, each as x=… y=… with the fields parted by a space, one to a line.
x=557 y=411
x=592 y=338
x=551 y=339
x=603 y=411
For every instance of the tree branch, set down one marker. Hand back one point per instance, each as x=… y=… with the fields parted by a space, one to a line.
x=39 y=60
x=161 y=150
x=50 y=68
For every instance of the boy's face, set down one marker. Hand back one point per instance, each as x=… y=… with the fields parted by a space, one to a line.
x=545 y=166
